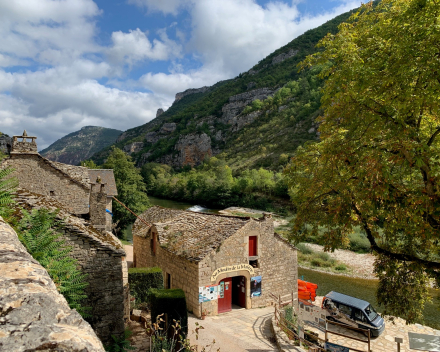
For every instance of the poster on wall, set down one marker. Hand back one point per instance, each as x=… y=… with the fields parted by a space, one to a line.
x=256 y=286
x=208 y=293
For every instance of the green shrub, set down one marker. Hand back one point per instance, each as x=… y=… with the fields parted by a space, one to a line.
x=142 y=279
x=324 y=256
x=172 y=304
x=359 y=242
x=341 y=267
x=303 y=248
x=38 y=233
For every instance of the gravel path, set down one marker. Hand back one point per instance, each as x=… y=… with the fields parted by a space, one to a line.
x=361 y=264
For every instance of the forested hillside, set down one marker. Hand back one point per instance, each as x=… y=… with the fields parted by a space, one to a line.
x=80 y=145
x=212 y=121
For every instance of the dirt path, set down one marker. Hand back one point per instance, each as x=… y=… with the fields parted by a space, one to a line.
x=361 y=264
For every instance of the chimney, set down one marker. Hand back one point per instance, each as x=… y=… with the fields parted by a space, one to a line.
x=98 y=203
x=26 y=145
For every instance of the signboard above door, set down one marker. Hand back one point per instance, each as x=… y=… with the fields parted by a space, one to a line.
x=231 y=268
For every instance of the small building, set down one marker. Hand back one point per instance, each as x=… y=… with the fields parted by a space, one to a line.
x=219 y=261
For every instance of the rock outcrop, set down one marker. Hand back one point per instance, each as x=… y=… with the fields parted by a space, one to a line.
x=193 y=149
x=133 y=147
x=168 y=128
x=189 y=92
x=33 y=315
x=159 y=112
x=238 y=102
x=5 y=143
x=284 y=56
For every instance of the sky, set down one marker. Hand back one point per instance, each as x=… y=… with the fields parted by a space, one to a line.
x=66 y=64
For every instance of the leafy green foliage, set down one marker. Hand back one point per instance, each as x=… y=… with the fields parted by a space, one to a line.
x=131 y=188
x=7 y=186
x=213 y=184
x=172 y=303
x=90 y=164
x=377 y=165
x=121 y=343
x=142 y=279
x=38 y=233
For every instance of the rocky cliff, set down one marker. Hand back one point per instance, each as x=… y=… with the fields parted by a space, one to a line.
x=5 y=143
x=80 y=145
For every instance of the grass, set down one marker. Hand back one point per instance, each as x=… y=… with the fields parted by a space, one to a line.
x=319 y=260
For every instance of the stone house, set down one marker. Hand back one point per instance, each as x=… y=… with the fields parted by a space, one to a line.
x=219 y=261
x=83 y=198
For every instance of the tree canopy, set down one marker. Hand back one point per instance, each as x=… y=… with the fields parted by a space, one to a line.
x=131 y=188
x=377 y=165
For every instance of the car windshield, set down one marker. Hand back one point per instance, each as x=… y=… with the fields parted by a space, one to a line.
x=371 y=313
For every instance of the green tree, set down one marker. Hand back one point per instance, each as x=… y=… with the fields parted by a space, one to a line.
x=89 y=164
x=131 y=188
x=378 y=163
x=7 y=186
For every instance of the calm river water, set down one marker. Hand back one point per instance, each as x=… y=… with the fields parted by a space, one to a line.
x=364 y=289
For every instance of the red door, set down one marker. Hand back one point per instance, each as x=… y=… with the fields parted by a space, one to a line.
x=252 y=246
x=225 y=295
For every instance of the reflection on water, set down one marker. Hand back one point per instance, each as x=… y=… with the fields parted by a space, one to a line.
x=366 y=290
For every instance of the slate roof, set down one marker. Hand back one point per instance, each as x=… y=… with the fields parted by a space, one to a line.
x=106 y=241
x=189 y=234
x=107 y=176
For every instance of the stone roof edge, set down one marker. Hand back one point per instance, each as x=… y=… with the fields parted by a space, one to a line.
x=49 y=162
x=284 y=240
x=210 y=214
x=94 y=236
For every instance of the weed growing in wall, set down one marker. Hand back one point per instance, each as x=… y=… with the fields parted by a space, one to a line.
x=37 y=230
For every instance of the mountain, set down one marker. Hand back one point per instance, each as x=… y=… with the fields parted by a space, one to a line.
x=80 y=145
x=257 y=119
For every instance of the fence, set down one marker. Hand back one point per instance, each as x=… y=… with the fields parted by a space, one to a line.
x=294 y=328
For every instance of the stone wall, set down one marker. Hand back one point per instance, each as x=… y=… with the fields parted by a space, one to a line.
x=33 y=315
x=37 y=175
x=105 y=277
x=5 y=144
x=184 y=274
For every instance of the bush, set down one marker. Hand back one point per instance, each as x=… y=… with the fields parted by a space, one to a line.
x=341 y=267
x=172 y=304
x=142 y=279
x=359 y=242
x=303 y=248
x=324 y=256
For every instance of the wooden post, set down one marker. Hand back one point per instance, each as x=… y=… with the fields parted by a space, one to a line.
x=398 y=340
x=369 y=338
x=326 y=334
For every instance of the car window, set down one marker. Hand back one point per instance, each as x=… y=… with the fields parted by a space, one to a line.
x=371 y=313
x=345 y=309
x=359 y=315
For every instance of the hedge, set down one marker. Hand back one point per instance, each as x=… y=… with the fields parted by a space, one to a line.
x=142 y=279
x=171 y=302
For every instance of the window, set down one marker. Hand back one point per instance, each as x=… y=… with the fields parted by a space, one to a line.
x=168 y=281
x=359 y=315
x=345 y=309
x=153 y=243
x=253 y=246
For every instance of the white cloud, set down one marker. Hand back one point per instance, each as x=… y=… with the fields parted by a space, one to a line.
x=135 y=46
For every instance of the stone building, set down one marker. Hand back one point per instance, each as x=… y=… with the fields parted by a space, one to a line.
x=83 y=198
x=219 y=261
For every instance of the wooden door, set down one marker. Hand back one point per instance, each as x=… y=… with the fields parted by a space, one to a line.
x=242 y=293
x=252 y=246
x=225 y=295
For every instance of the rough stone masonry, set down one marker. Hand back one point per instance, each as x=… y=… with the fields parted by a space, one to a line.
x=33 y=315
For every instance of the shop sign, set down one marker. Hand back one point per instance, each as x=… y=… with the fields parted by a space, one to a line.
x=256 y=286
x=208 y=293
x=231 y=268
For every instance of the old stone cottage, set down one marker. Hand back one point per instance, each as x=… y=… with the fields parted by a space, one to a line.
x=83 y=198
x=219 y=261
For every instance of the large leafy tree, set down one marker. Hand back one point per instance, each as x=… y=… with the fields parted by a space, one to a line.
x=131 y=188
x=377 y=165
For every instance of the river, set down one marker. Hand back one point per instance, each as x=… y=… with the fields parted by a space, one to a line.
x=361 y=288
x=366 y=290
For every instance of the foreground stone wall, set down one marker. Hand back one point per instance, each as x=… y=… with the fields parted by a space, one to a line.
x=33 y=315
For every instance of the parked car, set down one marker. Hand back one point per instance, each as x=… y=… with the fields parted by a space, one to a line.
x=353 y=312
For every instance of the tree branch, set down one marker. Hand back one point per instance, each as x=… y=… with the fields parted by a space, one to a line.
x=431 y=140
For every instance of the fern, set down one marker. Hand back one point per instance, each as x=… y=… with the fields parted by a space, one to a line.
x=38 y=233
x=7 y=186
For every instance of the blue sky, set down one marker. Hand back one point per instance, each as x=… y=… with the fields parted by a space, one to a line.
x=65 y=64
